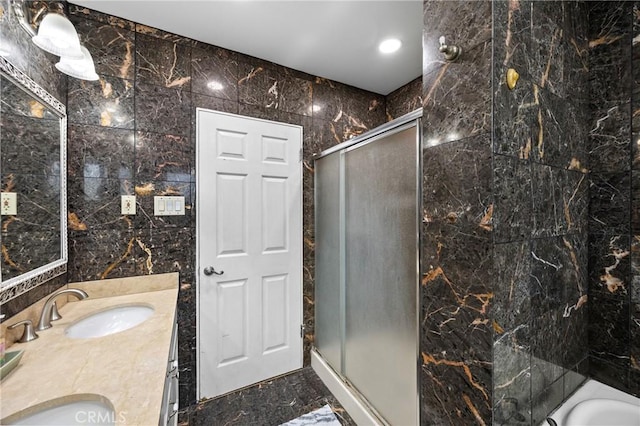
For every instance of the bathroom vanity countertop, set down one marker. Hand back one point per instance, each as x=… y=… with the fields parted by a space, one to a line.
x=127 y=368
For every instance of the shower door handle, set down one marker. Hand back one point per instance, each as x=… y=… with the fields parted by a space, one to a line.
x=210 y=270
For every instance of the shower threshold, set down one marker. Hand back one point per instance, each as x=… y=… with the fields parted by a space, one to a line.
x=357 y=408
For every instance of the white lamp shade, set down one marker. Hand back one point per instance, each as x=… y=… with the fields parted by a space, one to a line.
x=57 y=35
x=78 y=68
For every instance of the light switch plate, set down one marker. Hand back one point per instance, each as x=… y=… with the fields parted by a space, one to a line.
x=128 y=204
x=9 y=203
x=168 y=206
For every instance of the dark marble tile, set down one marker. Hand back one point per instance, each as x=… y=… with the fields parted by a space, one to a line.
x=100 y=254
x=610 y=25
x=512 y=199
x=559 y=131
x=100 y=152
x=113 y=21
x=270 y=402
x=610 y=139
x=25 y=251
x=511 y=301
x=456 y=333
x=326 y=133
x=559 y=48
x=512 y=376
x=306 y=123
x=609 y=266
x=94 y=203
x=609 y=203
x=158 y=251
x=107 y=102
x=38 y=204
x=146 y=30
x=404 y=100
x=558 y=273
x=544 y=402
x=575 y=377
x=162 y=110
x=457 y=182
x=609 y=374
x=257 y=85
x=112 y=47
x=30 y=145
x=634 y=329
x=546 y=350
x=295 y=95
x=353 y=111
x=575 y=335
x=257 y=111
x=634 y=383
x=447 y=389
x=212 y=103
x=162 y=63
x=187 y=345
x=609 y=333
x=576 y=40
x=457 y=95
x=635 y=202
x=512 y=38
x=560 y=201
x=163 y=157
x=514 y=113
x=214 y=72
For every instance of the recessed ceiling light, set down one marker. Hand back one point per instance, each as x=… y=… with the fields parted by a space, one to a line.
x=389 y=45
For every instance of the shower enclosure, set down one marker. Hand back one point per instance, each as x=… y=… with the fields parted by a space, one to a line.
x=367 y=268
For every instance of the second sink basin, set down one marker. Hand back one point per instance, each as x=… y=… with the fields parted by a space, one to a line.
x=110 y=321
x=80 y=410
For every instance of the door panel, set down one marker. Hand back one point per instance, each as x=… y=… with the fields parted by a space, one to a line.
x=232 y=210
x=249 y=222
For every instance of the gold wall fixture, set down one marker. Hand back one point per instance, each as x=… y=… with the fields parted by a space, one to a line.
x=512 y=78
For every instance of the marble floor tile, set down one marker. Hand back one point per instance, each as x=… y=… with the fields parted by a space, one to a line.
x=271 y=402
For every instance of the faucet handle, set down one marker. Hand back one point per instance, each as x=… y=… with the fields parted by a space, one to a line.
x=29 y=334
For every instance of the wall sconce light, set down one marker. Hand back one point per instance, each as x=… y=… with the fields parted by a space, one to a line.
x=51 y=31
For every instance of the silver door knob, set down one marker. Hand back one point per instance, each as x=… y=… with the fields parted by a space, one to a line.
x=210 y=270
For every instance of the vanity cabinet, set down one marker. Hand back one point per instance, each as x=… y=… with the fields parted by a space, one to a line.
x=169 y=412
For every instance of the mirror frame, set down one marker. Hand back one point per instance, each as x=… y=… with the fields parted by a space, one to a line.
x=16 y=286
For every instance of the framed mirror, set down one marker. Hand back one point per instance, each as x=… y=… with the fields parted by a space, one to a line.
x=33 y=137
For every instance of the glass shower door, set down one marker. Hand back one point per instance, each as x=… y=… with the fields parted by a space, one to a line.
x=381 y=244
x=367 y=268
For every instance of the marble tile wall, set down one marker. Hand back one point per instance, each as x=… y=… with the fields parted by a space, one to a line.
x=614 y=281
x=541 y=189
x=505 y=211
x=16 y=46
x=456 y=292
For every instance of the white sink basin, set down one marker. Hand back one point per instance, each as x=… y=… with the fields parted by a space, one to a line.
x=110 y=321
x=94 y=412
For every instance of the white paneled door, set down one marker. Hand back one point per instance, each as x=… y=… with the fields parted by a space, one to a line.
x=249 y=237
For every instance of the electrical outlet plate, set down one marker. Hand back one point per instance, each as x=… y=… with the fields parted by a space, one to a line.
x=128 y=204
x=168 y=206
x=9 y=204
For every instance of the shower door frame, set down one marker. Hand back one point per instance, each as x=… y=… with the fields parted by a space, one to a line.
x=402 y=123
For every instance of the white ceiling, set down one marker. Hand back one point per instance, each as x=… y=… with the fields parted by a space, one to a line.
x=335 y=39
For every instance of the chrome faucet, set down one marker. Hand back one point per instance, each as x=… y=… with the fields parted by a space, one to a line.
x=47 y=310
